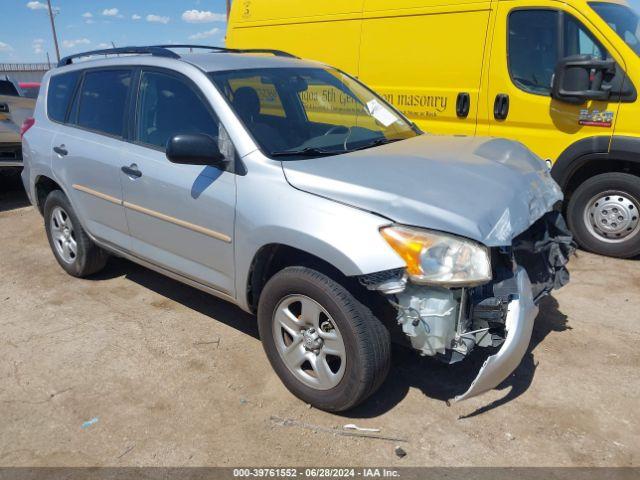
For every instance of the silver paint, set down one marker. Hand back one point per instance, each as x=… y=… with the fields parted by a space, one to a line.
x=488 y=190
x=519 y=325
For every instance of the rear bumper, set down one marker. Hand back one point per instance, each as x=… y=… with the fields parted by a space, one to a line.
x=10 y=155
x=521 y=315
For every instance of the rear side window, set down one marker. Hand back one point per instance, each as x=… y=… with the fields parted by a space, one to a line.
x=103 y=100
x=538 y=39
x=168 y=106
x=61 y=88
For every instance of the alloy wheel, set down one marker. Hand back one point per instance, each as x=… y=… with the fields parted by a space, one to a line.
x=63 y=235
x=309 y=342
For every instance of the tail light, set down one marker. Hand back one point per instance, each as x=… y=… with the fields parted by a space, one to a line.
x=26 y=125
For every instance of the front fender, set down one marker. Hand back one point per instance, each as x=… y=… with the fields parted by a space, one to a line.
x=270 y=211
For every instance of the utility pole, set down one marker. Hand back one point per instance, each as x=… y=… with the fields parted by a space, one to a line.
x=53 y=29
x=228 y=8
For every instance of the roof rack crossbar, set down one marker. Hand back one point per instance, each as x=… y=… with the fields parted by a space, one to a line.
x=278 y=53
x=155 y=51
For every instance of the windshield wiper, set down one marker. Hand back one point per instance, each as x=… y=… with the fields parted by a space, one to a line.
x=306 y=152
x=376 y=143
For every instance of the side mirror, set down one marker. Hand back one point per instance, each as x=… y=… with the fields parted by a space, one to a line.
x=580 y=78
x=196 y=149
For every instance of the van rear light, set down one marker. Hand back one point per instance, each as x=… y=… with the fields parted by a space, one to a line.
x=26 y=125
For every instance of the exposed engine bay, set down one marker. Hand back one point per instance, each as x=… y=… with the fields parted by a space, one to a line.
x=448 y=323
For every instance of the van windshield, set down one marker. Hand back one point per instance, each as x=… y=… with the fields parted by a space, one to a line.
x=624 y=21
x=300 y=112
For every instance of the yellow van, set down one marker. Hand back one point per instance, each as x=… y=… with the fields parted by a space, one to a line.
x=559 y=76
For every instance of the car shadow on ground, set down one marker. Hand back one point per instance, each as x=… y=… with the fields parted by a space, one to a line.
x=433 y=378
x=443 y=382
x=12 y=194
x=190 y=297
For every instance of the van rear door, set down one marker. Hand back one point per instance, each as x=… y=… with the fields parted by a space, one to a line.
x=427 y=60
x=528 y=40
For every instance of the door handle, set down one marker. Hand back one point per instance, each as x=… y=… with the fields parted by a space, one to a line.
x=61 y=150
x=4 y=108
x=132 y=171
x=501 y=106
x=463 y=105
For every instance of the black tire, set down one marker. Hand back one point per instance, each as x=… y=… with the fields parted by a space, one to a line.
x=89 y=258
x=366 y=339
x=579 y=202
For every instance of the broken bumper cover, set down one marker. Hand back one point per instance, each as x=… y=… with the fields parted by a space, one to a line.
x=521 y=315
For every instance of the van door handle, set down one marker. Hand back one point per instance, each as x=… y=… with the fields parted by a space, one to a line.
x=132 y=171
x=501 y=106
x=61 y=150
x=463 y=105
x=4 y=108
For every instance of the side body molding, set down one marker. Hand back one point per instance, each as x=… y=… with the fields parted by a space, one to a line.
x=577 y=155
x=595 y=149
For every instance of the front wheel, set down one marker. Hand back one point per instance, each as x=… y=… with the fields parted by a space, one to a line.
x=327 y=348
x=604 y=215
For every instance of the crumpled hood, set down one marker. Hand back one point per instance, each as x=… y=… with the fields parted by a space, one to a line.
x=486 y=189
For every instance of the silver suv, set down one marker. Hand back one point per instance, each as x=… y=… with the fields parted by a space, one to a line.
x=292 y=190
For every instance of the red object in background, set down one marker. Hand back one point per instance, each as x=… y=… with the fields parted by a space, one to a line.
x=29 y=84
x=26 y=125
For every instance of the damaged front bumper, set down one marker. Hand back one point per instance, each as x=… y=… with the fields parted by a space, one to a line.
x=448 y=323
x=521 y=314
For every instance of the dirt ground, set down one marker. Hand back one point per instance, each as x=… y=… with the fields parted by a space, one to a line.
x=165 y=375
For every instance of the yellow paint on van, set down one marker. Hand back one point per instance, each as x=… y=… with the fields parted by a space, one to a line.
x=421 y=54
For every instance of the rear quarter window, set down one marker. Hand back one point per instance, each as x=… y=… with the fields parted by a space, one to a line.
x=61 y=88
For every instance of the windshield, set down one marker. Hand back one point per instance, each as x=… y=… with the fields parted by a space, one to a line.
x=310 y=111
x=623 y=20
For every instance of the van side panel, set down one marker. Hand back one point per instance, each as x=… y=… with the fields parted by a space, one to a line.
x=411 y=56
x=329 y=32
x=247 y=11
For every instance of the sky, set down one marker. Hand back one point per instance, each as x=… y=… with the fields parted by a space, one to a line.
x=25 y=32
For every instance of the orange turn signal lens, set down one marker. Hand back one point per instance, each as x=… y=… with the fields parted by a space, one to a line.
x=409 y=244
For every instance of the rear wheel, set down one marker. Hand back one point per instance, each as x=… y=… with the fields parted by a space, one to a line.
x=74 y=250
x=327 y=348
x=604 y=215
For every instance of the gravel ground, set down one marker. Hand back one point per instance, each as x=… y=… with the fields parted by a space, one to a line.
x=165 y=375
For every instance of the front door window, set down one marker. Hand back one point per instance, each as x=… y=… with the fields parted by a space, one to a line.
x=538 y=39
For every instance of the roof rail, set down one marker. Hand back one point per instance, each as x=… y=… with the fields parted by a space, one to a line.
x=277 y=53
x=155 y=51
x=165 y=51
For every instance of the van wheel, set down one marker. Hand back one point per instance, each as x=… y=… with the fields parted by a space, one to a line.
x=74 y=250
x=604 y=215
x=327 y=348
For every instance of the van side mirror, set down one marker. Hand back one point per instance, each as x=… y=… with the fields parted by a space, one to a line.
x=196 y=149
x=579 y=78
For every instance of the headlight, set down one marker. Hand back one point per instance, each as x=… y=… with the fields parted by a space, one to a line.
x=435 y=258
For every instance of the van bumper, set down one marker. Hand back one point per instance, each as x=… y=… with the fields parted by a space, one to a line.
x=521 y=314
